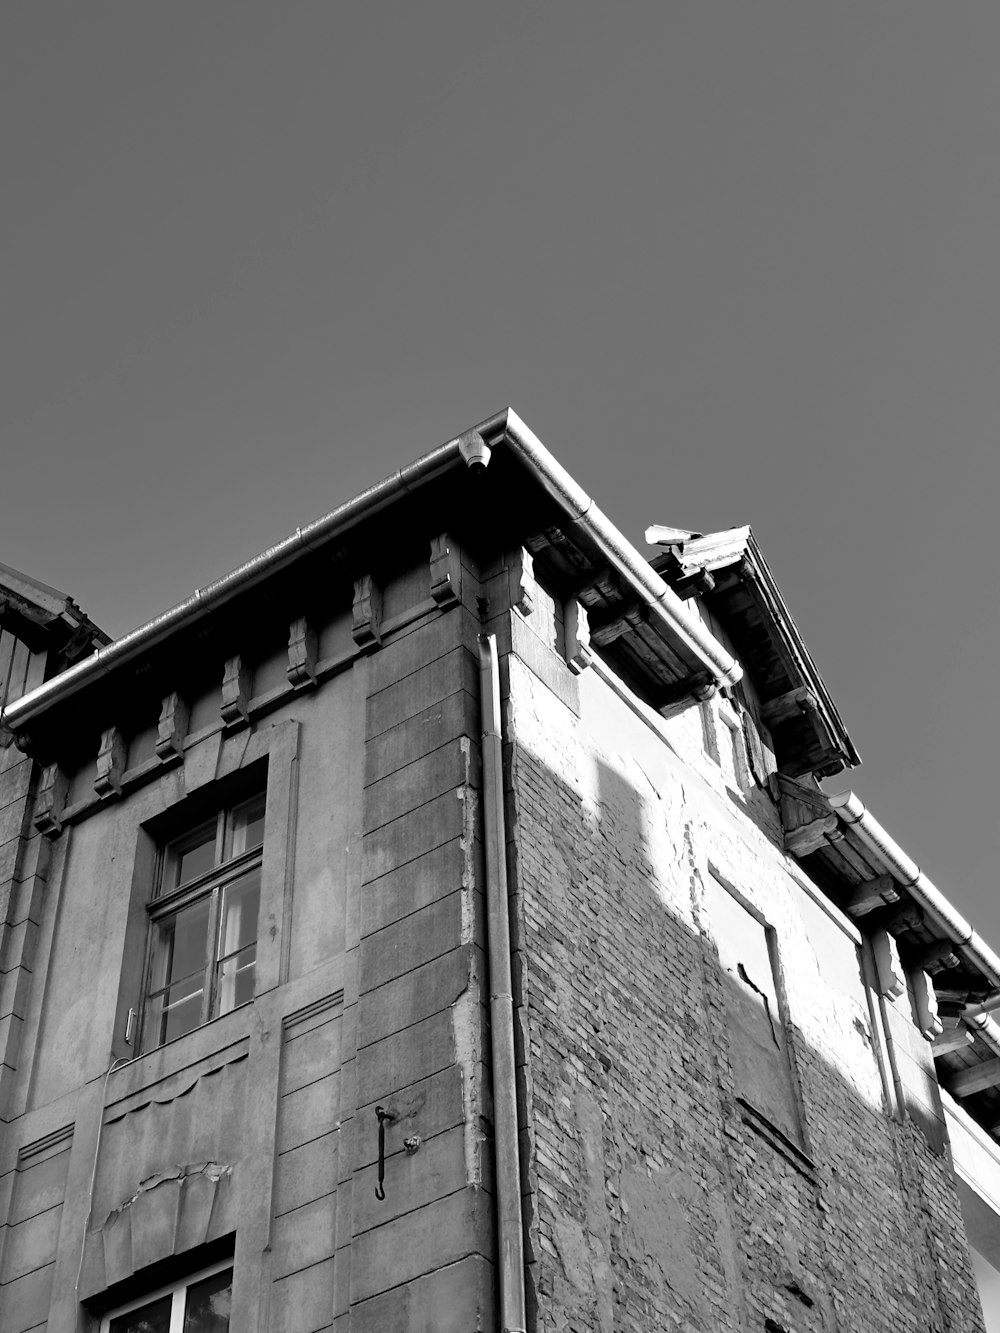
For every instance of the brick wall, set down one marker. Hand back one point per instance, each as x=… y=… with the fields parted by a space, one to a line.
x=659 y=1194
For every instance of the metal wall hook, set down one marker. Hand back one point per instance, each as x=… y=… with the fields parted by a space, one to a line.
x=383 y=1116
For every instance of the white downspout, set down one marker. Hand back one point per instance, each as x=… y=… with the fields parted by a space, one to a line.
x=510 y=1238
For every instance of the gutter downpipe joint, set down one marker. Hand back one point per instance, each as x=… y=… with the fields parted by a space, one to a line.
x=510 y=1235
x=853 y=812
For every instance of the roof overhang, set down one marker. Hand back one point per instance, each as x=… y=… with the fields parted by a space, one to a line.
x=728 y=572
x=640 y=623
x=848 y=853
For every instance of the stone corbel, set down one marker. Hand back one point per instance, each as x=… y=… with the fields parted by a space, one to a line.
x=366 y=628
x=301 y=670
x=522 y=581
x=171 y=728
x=110 y=763
x=889 y=973
x=235 y=692
x=446 y=571
x=579 y=654
x=51 y=801
x=925 y=1005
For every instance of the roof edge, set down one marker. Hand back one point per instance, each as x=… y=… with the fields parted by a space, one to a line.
x=738 y=547
x=503 y=429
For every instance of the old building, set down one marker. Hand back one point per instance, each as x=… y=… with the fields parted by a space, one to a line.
x=438 y=924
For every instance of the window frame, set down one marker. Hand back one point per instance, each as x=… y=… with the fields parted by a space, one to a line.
x=795 y=1136
x=166 y=903
x=178 y=1307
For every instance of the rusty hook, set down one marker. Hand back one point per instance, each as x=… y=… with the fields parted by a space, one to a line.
x=383 y=1116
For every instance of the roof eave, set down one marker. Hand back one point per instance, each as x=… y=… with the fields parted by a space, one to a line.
x=710 y=661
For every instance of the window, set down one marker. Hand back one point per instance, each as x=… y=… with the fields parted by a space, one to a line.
x=198 y=1305
x=758 y=1040
x=203 y=923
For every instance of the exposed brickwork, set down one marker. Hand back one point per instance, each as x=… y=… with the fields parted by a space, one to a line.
x=660 y=1199
x=702 y=1150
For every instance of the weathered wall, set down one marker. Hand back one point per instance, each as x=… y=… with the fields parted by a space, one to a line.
x=709 y=1141
x=668 y=1186
x=258 y=1131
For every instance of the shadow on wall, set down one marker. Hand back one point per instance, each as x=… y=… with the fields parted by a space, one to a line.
x=697 y=1157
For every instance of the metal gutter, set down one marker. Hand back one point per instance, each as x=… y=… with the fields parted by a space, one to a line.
x=510 y=1235
x=664 y=604
x=984 y=1027
x=217 y=594
x=888 y=854
x=472 y=448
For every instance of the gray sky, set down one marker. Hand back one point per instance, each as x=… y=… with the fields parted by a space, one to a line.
x=733 y=263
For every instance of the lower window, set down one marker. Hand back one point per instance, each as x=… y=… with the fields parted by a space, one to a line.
x=198 y=1305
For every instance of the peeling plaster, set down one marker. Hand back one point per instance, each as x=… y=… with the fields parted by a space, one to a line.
x=215 y=1171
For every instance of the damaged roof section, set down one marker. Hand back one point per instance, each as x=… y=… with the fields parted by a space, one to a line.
x=731 y=578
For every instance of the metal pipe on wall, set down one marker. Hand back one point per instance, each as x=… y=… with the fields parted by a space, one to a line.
x=510 y=1237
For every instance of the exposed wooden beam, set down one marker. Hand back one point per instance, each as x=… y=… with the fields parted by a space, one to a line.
x=786 y=707
x=695 y=584
x=977 y=1079
x=904 y=915
x=625 y=619
x=808 y=837
x=952 y=1039
x=878 y=892
x=937 y=957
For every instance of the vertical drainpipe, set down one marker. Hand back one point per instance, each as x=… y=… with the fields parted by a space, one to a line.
x=510 y=1240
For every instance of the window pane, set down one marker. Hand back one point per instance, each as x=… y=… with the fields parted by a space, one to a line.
x=193 y=855
x=236 y=979
x=180 y=957
x=177 y=1010
x=208 y=1304
x=237 y=947
x=239 y=913
x=181 y=944
x=152 y=1318
x=248 y=825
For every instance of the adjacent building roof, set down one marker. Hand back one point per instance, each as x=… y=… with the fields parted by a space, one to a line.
x=45 y=619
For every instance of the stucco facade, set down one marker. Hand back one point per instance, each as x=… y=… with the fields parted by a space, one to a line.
x=719 y=1106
